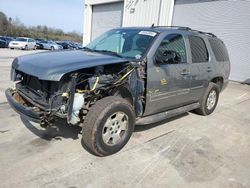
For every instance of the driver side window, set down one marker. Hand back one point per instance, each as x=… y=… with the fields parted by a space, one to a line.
x=172 y=50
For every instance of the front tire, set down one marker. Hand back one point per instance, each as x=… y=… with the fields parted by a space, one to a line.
x=209 y=100
x=108 y=126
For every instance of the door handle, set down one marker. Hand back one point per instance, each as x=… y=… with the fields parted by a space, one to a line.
x=185 y=72
x=209 y=69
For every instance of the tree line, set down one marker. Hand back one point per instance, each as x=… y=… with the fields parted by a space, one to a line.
x=15 y=28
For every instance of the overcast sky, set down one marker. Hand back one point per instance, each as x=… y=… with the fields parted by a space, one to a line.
x=63 y=14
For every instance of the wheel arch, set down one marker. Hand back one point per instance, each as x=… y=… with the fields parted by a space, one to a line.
x=124 y=92
x=219 y=80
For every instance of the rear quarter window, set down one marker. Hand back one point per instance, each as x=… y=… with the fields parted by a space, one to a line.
x=219 y=50
x=198 y=49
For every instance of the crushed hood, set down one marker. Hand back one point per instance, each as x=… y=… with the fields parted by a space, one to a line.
x=53 y=65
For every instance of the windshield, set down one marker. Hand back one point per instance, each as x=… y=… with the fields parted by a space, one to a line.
x=21 y=39
x=51 y=42
x=129 y=43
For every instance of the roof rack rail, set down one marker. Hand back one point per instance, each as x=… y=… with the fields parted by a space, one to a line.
x=173 y=26
x=205 y=33
x=186 y=28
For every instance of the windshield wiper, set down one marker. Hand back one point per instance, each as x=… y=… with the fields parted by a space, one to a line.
x=109 y=52
x=102 y=51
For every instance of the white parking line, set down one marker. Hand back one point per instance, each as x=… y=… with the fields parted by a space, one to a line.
x=243 y=95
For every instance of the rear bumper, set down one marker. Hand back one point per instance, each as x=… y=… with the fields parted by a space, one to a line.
x=25 y=111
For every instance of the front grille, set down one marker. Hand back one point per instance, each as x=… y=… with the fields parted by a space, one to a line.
x=33 y=83
x=38 y=92
x=35 y=89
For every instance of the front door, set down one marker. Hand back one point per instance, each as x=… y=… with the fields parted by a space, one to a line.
x=168 y=76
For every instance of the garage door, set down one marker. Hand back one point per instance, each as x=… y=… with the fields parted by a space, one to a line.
x=229 y=20
x=106 y=17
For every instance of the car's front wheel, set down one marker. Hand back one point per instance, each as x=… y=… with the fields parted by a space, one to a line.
x=209 y=100
x=108 y=126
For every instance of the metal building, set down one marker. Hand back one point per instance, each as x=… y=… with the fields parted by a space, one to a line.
x=102 y=15
x=228 y=19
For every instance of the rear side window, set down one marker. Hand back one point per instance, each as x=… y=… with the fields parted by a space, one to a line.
x=198 y=49
x=219 y=50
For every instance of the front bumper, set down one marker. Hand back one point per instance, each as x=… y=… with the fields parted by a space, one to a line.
x=17 y=46
x=27 y=112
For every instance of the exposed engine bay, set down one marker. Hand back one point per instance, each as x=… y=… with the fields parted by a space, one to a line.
x=72 y=97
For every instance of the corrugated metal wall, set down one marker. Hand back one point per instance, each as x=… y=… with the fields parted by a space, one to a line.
x=147 y=12
x=135 y=13
x=229 y=20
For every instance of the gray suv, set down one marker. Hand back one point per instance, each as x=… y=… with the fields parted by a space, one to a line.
x=127 y=76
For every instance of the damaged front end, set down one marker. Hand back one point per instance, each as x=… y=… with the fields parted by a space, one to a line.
x=71 y=98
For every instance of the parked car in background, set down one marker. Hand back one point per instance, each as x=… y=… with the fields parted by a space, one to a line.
x=79 y=45
x=50 y=45
x=65 y=44
x=76 y=45
x=7 y=40
x=23 y=43
x=3 y=44
x=69 y=45
x=39 y=44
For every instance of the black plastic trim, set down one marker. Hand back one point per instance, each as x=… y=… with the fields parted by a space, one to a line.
x=165 y=115
x=24 y=111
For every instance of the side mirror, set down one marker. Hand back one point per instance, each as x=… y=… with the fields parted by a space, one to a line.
x=168 y=57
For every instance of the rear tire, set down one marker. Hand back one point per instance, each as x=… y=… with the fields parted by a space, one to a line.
x=209 y=100
x=26 y=47
x=108 y=126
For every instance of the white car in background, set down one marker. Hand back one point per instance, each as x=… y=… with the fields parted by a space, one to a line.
x=23 y=43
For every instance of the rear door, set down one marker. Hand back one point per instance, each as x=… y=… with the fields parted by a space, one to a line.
x=29 y=43
x=33 y=43
x=168 y=79
x=200 y=67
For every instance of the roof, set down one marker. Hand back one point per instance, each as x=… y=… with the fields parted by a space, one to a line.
x=24 y=37
x=160 y=29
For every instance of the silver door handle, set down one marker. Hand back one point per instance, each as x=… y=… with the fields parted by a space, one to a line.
x=185 y=73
